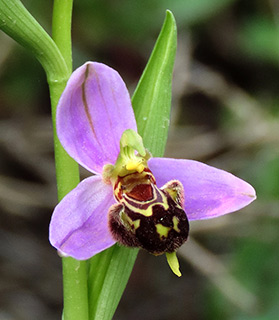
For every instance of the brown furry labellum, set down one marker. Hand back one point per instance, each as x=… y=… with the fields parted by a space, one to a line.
x=146 y=216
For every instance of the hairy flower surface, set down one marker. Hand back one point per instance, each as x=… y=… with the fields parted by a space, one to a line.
x=132 y=198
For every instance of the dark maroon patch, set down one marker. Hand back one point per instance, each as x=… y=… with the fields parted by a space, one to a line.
x=141 y=192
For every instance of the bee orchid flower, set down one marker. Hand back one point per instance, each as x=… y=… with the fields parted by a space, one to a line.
x=132 y=198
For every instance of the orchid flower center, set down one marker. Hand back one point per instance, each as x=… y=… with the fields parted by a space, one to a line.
x=132 y=157
x=145 y=216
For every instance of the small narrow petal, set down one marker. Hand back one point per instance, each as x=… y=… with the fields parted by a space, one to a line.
x=79 y=224
x=93 y=112
x=209 y=192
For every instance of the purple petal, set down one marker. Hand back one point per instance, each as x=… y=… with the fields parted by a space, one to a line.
x=209 y=192
x=79 y=224
x=94 y=110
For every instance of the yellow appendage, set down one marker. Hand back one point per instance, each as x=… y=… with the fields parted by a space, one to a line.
x=173 y=263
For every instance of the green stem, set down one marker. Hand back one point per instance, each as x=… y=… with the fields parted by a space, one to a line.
x=75 y=289
x=61 y=28
x=56 y=59
x=74 y=272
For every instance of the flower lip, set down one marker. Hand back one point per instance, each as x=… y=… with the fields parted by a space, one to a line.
x=146 y=216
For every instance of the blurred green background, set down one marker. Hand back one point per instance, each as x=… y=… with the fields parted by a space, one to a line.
x=225 y=112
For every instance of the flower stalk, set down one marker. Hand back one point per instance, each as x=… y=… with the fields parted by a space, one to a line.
x=75 y=292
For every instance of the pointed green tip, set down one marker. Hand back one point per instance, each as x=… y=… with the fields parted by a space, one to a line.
x=173 y=263
x=169 y=13
x=170 y=17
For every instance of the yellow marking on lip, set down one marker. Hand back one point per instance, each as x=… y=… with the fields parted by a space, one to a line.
x=149 y=211
x=132 y=224
x=162 y=230
x=136 y=224
x=146 y=212
x=175 y=222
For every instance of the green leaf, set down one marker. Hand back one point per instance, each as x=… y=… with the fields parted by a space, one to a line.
x=110 y=270
x=152 y=97
x=19 y=24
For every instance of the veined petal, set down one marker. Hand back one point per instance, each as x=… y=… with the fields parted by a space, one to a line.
x=93 y=111
x=209 y=192
x=79 y=224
